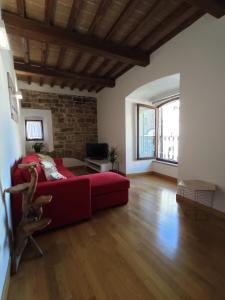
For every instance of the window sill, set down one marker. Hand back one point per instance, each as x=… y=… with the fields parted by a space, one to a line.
x=165 y=163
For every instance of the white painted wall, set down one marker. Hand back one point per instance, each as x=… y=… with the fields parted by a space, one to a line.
x=111 y=121
x=37 y=114
x=10 y=150
x=164 y=168
x=198 y=55
x=157 y=89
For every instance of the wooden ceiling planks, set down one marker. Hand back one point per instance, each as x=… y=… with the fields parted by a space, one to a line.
x=103 y=5
x=169 y=22
x=89 y=39
x=35 y=51
x=37 y=71
x=121 y=18
x=16 y=44
x=21 y=10
x=74 y=12
x=50 y=9
x=187 y=22
x=154 y=16
x=49 y=14
x=9 y=5
x=35 y=9
x=156 y=12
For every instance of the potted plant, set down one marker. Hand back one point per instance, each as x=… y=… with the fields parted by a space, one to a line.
x=38 y=147
x=113 y=156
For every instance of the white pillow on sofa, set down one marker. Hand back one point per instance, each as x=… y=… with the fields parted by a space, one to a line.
x=51 y=172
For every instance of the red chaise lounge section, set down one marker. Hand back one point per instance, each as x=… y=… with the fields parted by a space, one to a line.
x=74 y=198
x=107 y=190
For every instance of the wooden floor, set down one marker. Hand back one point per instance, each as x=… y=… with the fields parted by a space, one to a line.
x=149 y=249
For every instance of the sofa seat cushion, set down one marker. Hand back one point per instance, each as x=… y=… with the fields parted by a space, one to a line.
x=107 y=182
x=65 y=172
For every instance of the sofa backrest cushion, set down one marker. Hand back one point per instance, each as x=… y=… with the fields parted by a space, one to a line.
x=26 y=174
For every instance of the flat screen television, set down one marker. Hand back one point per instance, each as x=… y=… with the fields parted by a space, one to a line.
x=97 y=151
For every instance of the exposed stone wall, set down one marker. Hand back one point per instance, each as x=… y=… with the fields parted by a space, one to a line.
x=74 y=120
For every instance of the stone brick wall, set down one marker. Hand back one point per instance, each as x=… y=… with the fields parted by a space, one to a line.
x=74 y=120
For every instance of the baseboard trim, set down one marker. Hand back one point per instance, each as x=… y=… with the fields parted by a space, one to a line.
x=170 y=178
x=137 y=174
x=185 y=201
x=6 y=283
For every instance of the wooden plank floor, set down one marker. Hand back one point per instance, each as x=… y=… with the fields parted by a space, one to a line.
x=149 y=249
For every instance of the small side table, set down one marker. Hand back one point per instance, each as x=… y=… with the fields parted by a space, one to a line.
x=197 y=186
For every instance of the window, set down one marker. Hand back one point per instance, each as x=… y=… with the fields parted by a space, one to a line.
x=158 y=131
x=146 y=131
x=34 y=130
x=168 y=131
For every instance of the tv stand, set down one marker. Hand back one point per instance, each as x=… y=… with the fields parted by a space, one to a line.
x=98 y=165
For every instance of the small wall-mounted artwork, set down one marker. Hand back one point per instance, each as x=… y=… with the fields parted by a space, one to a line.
x=12 y=99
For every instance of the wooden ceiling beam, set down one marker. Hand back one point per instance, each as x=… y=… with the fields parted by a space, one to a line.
x=91 y=88
x=73 y=86
x=21 y=7
x=26 y=50
x=113 y=69
x=75 y=61
x=124 y=15
x=44 y=54
x=174 y=32
x=50 y=34
x=36 y=70
x=52 y=84
x=62 y=54
x=74 y=13
x=63 y=84
x=41 y=81
x=213 y=7
x=127 y=11
x=99 y=89
x=122 y=71
x=82 y=87
x=145 y=21
x=165 y=39
x=165 y=24
x=89 y=64
x=102 y=66
x=29 y=79
x=50 y=6
x=104 y=4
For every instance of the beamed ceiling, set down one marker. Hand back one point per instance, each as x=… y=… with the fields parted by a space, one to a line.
x=88 y=44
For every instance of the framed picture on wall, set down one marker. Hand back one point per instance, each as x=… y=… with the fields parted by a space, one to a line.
x=12 y=99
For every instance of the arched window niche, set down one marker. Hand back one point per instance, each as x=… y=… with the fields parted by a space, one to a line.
x=158 y=130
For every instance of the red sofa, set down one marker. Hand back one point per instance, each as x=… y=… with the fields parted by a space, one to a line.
x=74 y=198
